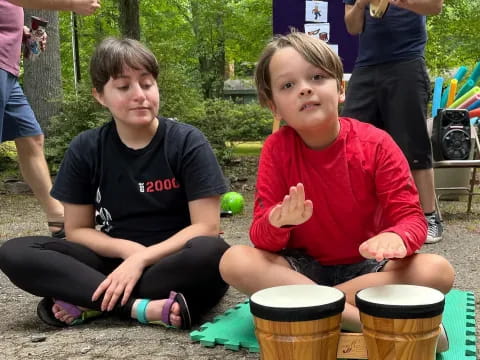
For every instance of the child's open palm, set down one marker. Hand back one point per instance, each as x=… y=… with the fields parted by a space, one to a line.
x=386 y=245
x=294 y=209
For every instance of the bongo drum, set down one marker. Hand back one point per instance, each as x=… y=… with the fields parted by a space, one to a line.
x=400 y=321
x=378 y=8
x=297 y=321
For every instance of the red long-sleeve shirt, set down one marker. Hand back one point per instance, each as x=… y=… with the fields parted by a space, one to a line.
x=360 y=186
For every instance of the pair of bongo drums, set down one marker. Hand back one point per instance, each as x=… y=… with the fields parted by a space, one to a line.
x=302 y=322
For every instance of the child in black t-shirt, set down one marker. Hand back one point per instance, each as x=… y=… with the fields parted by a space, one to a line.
x=153 y=185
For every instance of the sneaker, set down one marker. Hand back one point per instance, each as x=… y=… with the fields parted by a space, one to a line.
x=435 y=230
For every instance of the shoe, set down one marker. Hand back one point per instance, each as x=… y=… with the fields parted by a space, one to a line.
x=442 y=342
x=435 y=230
x=59 y=234
x=44 y=312
x=173 y=298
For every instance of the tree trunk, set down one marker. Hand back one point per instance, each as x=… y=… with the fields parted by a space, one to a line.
x=210 y=40
x=129 y=20
x=42 y=79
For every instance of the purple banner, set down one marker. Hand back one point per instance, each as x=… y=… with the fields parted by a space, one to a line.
x=291 y=13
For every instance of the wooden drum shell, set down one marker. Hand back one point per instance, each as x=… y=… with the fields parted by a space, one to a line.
x=400 y=322
x=395 y=339
x=315 y=339
x=298 y=322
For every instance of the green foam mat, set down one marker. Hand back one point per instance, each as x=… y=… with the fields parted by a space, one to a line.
x=234 y=328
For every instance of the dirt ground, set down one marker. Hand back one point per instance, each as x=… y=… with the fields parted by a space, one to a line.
x=23 y=336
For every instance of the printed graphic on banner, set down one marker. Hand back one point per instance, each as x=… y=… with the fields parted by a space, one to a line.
x=316 y=11
x=320 y=31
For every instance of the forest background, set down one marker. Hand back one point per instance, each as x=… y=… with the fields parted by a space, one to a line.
x=199 y=45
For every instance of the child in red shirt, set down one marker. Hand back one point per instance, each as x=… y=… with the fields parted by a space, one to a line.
x=336 y=204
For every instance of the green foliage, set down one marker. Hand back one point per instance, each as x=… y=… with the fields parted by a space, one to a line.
x=79 y=113
x=90 y=30
x=453 y=36
x=249 y=27
x=223 y=121
x=8 y=156
x=249 y=122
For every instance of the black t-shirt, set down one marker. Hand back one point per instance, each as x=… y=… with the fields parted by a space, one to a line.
x=140 y=195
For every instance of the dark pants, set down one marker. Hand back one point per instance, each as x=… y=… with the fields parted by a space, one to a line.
x=64 y=270
x=394 y=97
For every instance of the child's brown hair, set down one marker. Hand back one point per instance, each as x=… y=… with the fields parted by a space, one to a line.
x=315 y=51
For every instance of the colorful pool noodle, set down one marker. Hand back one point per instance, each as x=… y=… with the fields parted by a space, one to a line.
x=474 y=113
x=460 y=100
x=462 y=70
x=475 y=75
x=469 y=101
x=469 y=84
x=452 y=89
x=475 y=105
x=437 y=96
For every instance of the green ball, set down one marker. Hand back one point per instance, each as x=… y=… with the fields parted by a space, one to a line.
x=232 y=201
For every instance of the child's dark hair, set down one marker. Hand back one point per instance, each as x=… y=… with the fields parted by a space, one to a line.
x=112 y=55
x=315 y=51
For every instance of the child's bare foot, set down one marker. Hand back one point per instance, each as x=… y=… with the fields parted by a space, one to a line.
x=153 y=312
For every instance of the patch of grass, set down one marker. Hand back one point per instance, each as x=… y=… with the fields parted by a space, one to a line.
x=247 y=148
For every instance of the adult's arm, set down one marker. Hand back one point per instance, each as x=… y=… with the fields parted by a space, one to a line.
x=80 y=228
x=82 y=7
x=422 y=7
x=205 y=221
x=355 y=16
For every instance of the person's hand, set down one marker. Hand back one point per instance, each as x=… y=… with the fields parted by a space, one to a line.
x=120 y=282
x=43 y=41
x=85 y=7
x=26 y=32
x=294 y=209
x=383 y=246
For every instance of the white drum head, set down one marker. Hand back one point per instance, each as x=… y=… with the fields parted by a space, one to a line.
x=400 y=301
x=297 y=303
x=294 y=296
x=401 y=295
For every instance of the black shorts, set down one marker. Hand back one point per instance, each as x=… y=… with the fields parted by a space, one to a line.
x=394 y=97
x=328 y=275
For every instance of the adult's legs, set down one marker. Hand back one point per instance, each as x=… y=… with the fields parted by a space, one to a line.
x=424 y=180
x=18 y=122
x=361 y=101
x=405 y=93
x=35 y=172
x=71 y=272
x=48 y=267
